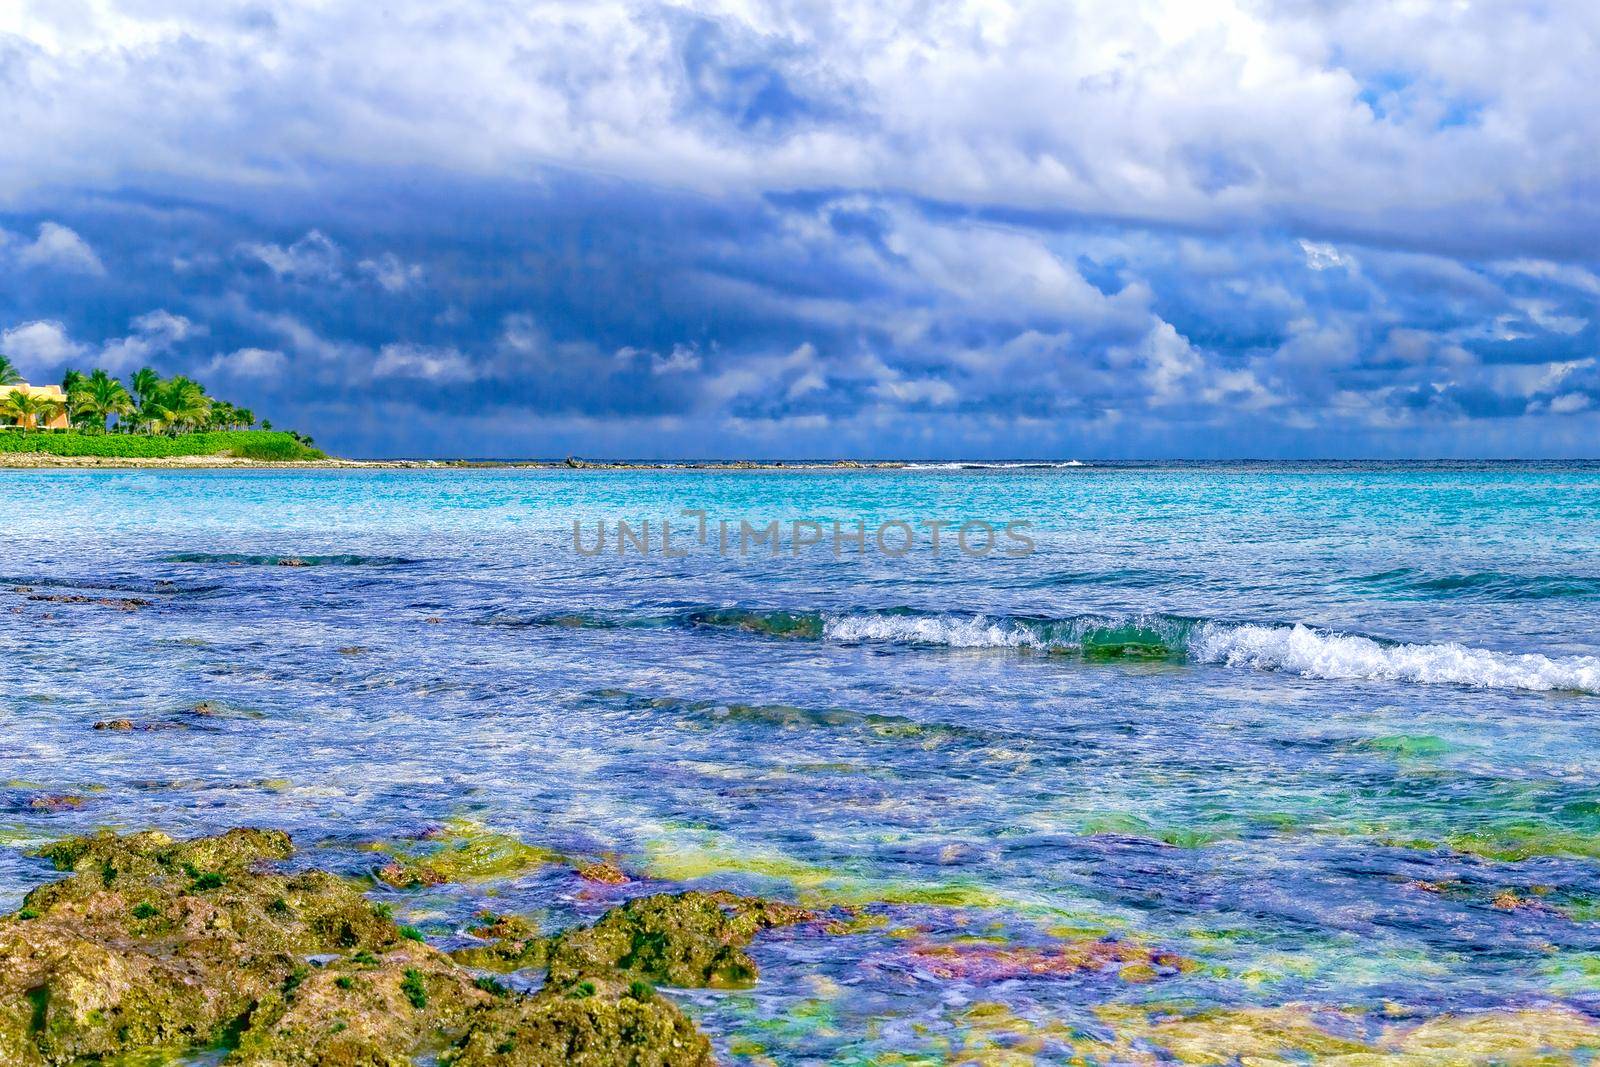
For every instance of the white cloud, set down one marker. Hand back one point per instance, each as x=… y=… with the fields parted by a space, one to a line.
x=154 y=333
x=1170 y=362
x=1162 y=110
x=1544 y=315
x=921 y=391
x=683 y=359
x=314 y=257
x=249 y=363
x=55 y=248
x=40 y=348
x=1322 y=256
x=423 y=363
x=392 y=274
x=163 y=326
x=1566 y=274
x=1569 y=403
x=44 y=348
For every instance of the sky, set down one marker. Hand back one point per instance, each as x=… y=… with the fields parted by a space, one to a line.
x=791 y=229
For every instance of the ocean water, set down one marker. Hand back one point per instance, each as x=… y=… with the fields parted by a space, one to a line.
x=1321 y=738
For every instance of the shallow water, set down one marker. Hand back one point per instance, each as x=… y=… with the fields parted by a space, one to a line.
x=1326 y=731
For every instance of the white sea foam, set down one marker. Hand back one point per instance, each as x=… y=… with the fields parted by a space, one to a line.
x=950 y=631
x=972 y=465
x=1314 y=654
x=1294 y=649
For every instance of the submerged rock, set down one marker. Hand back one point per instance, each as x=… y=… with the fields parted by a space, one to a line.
x=464 y=851
x=603 y=872
x=55 y=802
x=155 y=945
x=511 y=943
x=1297 y=1033
x=690 y=940
x=120 y=603
x=128 y=725
x=1132 y=961
x=686 y=939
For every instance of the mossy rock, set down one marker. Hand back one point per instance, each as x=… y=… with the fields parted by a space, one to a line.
x=687 y=939
x=151 y=942
x=364 y=1010
x=154 y=945
x=510 y=943
x=598 y=1022
x=152 y=852
x=464 y=851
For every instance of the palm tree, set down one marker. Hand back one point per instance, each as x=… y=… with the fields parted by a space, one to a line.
x=72 y=384
x=179 y=403
x=9 y=374
x=224 y=416
x=27 y=409
x=100 y=397
x=244 y=417
x=146 y=383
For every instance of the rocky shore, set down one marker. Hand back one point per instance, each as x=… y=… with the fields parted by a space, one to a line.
x=152 y=950
x=155 y=945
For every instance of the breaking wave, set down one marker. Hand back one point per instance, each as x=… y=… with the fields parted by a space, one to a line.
x=1295 y=649
x=1290 y=648
x=1316 y=654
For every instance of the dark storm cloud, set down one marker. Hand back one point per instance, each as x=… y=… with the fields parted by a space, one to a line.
x=815 y=229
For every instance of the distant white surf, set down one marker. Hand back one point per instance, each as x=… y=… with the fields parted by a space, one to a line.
x=979 y=465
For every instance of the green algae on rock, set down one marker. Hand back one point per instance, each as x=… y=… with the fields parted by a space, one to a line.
x=687 y=939
x=151 y=942
x=156 y=946
x=509 y=943
x=364 y=1009
x=1515 y=840
x=465 y=851
x=609 y=1023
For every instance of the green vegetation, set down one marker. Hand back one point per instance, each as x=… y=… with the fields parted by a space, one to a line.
x=241 y=444
x=415 y=988
x=150 y=417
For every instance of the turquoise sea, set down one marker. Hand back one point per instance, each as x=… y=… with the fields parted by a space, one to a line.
x=1291 y=761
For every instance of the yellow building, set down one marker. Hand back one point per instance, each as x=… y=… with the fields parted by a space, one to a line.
x=49 y=392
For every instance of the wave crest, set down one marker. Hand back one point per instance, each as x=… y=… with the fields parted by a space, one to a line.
x=1295 y=649
x=1290 y=648
x=1314 y=654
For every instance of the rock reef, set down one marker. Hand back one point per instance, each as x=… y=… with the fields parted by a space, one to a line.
x=156 y=945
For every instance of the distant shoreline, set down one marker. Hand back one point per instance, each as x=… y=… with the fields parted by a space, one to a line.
x=47 y=461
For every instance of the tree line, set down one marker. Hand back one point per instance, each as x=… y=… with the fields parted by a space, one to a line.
x=149 y=403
